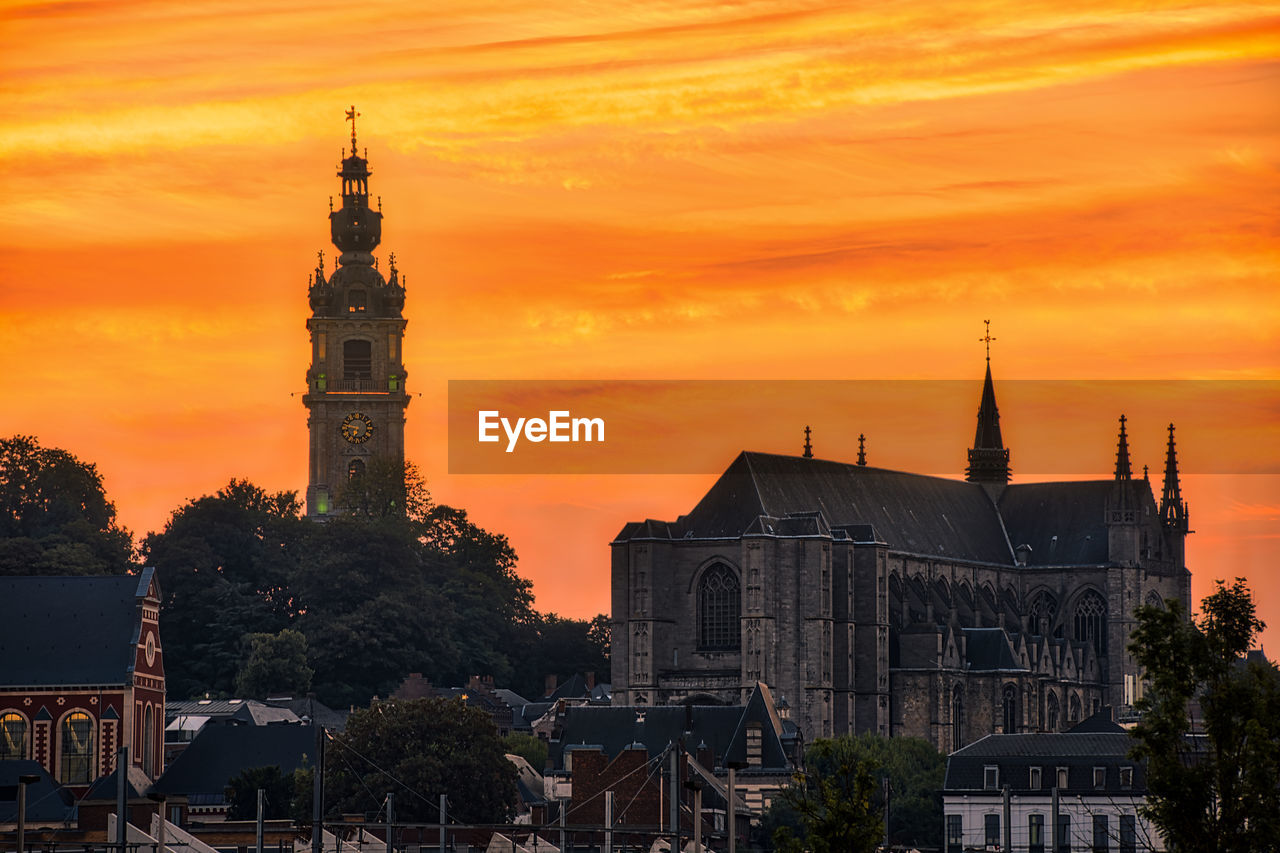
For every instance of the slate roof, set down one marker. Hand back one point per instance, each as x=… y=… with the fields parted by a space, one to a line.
x=910 y=512
x=248 y=711
x=989 y=650
x=47 y=801
x=106 y=787
x=1015 y=754
x=1064 y=523
x=101 y=649
x=223 y=751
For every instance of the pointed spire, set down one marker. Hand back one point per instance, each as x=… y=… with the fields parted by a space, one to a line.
x=862 y=450
x=988 y=459
x=1123 y=471
x=1145 y=474
x=808 y=448
x=1172 y=510
x=352 y=115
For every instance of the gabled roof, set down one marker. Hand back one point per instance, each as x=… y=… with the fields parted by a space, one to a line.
x=223 y=751
x=910 y=512
x=1015 y=754
x=988 y=649
x=101 y=649
x=1064 y=523
x=47 y=801
x=106 y=787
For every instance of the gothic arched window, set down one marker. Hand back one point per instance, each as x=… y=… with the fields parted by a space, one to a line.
x=149 y=741
x=13 y=737
x=1009 y=708
x=357 y=360
x=1040 y=616
x=1154 y=600
x=1073 y=709
x=957 y=718
x=1091 y=621
x=76 y=749
x=1053 y=712
x=719 y=607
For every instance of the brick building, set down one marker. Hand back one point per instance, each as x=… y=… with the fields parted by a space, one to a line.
x=890 y=602
x=82 y=673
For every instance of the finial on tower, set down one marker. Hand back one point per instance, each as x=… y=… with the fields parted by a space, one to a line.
x=1173 y=512
x=351 y=117
x=1123 y=472
x=808 y=448
x=862 y=450
x=987 y=339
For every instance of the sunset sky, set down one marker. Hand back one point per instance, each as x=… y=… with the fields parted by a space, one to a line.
x=648 y=190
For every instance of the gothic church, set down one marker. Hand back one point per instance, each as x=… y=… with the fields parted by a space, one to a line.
x=897 y=603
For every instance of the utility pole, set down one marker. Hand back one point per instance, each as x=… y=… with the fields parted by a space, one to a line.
x=122 y=805
x=257 y=829
x=23 y=781
x=1008 y=830
x=608 y=822
x=317 y=792
x=391 y=821
x=444 y=805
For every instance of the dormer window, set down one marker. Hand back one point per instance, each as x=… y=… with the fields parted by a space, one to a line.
x=991 y=777
x=1035 y=779
x=356 y=302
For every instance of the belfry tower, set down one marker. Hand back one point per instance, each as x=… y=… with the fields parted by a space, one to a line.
x=355 y=386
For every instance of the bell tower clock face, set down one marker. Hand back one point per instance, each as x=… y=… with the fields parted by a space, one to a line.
x=357 y=428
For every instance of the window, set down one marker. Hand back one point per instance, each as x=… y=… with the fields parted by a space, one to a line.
x=1009 y=707
x=1126 y=777
x=355 y=469
x=1101 y=834
x=957 y=718
x=1062 y=777
x=955 y=833
x=1128 y=833
x=991 y=777
x=1035 y=779
x=13 y=737
x=1035 y=833
x=754 y=739
x=149 y=741
x=356 y=302
x=991 y=829
x=1040 y=616
x=357 y=360
x=1091 y=621
x=1064 y=833
x=77 y=749
x=1052 y=713
x=1099 y=777
x=719 y=604
x=1073 y=709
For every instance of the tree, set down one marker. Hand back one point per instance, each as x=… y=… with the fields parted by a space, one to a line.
x=531 y=748
x=54 y=515
x=277 y=663
x=833 y=802
x=1218 y=792
x=281 y=790
x=419 y=749
x=226 y=564
x=385 y=488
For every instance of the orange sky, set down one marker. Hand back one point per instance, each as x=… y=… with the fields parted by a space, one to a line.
x=638 y=190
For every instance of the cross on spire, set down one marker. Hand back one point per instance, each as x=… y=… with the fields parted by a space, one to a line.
x=808 y=448
x=862 y=450
x=351 y=117
x=987 y=339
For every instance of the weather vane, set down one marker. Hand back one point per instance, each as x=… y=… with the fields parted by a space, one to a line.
x=987 y=339
x=351 y=117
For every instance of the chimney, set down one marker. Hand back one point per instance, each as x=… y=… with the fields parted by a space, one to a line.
x=591 y=680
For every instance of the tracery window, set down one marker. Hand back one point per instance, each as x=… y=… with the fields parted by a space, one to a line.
x=1009 y=708
x=1053 y=712
x=719 y=608
x=1040 y=616
x=13 y=737
x=1073 y=709
x=1091 y=621
x=1154 y=600
x=76 y=766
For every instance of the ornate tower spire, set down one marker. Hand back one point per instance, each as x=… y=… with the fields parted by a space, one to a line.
x=1173 y=512
x=862 y=450
x=988 y=458
x=355 y=228
x=1123 y=471
x=808 y=448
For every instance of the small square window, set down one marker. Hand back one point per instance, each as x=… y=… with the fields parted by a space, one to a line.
x=1035 y=778
x=990 y=777
x=1126 y=777
x=1099 y=777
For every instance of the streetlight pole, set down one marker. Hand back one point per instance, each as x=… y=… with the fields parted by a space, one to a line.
x=23 y=781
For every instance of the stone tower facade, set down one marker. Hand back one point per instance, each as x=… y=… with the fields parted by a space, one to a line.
x=355 y=396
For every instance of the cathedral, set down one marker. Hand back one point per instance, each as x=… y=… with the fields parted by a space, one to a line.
x=882 y=601
x=355 y=396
